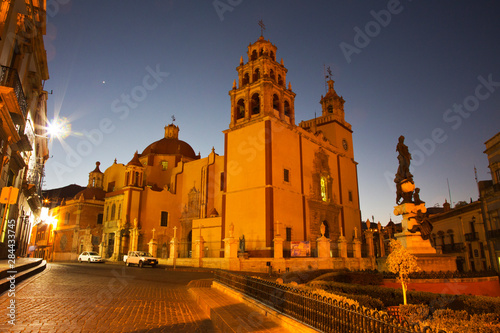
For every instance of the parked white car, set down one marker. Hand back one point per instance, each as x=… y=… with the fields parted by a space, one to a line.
x=140 y=259
x=89 y=256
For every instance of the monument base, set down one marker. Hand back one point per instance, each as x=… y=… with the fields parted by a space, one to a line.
x=414 y=243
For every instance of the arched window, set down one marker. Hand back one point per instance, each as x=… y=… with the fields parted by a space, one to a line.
x=324 y=187
x=66 y=218
x=246 y=79
x=107 y=213
x=271 y=54
x=240 y=109
x=119 y=211
x=330 y=109
x=127 y=176
x=327 y=229
x=256 y=75
x=113 y=211
x=287 y=109
x=254 y=55
x=261 y=52
x=93 y=182
x=280 y=80
x=276 y=102
x=255 y=104
x=272 y=75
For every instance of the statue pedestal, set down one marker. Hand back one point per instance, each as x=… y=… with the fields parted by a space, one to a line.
x=230 y=247
x=174 y=248
x=342 y=244
x=427 y=258
x=414 y=243
x=278 y=247
x=323 y=247
x=198 y=248
x=153 y=247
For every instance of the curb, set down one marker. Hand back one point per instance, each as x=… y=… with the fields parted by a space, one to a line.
x=19 y=276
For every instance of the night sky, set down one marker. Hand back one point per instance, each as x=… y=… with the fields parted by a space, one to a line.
x=428 y=70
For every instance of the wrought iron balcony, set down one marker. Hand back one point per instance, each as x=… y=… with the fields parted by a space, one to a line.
x=493 y=233
x=10 y=78
x=452 y=248
x=472 y=236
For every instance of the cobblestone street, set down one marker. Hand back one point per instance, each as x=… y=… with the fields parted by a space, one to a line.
x=105 y=298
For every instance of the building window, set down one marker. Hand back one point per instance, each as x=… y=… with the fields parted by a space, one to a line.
x=107 y=213
x=350 y=196
x=164 y=219
x=497 y=173
x=99 y=218
x=111 y=186
x=324 y=185
x=119 y=211
x=286 y=175
x=66 y=218
x=288 y=234
x=113 y=212
x=164 y=165
x=222 y=181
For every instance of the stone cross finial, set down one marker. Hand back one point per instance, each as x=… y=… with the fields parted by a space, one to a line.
x=175 y=231
x=355 y=232
x=153 y=232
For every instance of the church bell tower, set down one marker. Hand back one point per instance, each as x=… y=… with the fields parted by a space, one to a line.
x=261 y=89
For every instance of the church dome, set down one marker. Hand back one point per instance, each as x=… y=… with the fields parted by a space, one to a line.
x=170 y=145
x=90 y=193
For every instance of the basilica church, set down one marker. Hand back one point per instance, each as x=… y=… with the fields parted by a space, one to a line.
x=276 y=178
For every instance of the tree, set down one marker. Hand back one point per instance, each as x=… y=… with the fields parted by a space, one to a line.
x=401 y=262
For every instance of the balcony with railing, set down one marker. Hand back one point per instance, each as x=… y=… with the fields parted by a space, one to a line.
x=472 y=236
x=10 y=82
x=452 y=248
x=493 y=233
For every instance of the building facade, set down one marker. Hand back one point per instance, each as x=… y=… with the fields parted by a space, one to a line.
x=23 y=141
x=490 y=200
x=276 y=178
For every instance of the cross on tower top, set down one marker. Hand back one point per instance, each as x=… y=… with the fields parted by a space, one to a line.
x=262 y=28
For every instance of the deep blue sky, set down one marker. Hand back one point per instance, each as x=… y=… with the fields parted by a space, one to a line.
x=405 y=80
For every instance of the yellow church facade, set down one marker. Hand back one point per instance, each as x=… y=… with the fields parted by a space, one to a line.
x=277 y=187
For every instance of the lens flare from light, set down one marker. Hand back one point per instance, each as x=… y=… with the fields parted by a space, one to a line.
x=58 y=128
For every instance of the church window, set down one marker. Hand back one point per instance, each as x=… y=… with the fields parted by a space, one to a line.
x=254 y=55
x=113 y=212
x=256 y=75
x=222 y=181
x=330 y=109
x=93 y=182
x=287 y=108
x=66 y=218
x=280 y=80
x=107 y=213
x=276 y=102
x=164 y=219
x=111 y=186
x=99 y=218
x=324 y=186
x=164 y=165
x=240 y=109
x=350 y=196
x=272 y=55
x=255 y=104
x=497 y=174
x=246 y=79
x=119 y=211
x=286 y=175
x=288 y=234
x=272 y=75
x=261 y=52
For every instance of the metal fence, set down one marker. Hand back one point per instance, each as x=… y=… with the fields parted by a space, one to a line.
x=321 y=312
